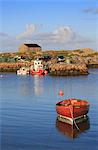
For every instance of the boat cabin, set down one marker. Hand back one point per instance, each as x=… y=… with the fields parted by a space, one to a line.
x=38 y=65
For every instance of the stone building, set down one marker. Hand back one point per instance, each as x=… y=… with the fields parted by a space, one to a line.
x=29 y=48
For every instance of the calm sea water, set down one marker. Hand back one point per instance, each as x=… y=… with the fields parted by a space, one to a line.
x=28 y=116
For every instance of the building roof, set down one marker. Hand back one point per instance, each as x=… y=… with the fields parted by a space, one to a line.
x=32 y=45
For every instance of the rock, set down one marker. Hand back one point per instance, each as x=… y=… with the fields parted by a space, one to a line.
x=68 y=69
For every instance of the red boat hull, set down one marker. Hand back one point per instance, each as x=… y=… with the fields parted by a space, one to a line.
x=72 y=108
x=40 y=72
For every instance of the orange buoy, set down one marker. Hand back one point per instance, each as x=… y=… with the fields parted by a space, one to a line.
x=61 y=93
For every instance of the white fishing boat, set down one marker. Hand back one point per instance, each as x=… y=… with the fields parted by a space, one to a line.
x=23 y=71
x=38 y=68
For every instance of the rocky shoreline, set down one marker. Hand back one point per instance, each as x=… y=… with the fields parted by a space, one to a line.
x=68 y=69
x=76 y=62
x=56 y=69
x=92 y=65
x=12 y=67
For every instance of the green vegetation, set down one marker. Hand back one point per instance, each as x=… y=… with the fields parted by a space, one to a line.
x=75 y=56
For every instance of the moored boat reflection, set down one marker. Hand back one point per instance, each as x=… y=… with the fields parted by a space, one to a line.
x=38 y=85
x=73 y=131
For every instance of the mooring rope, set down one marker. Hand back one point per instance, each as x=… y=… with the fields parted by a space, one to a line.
x=73 y=119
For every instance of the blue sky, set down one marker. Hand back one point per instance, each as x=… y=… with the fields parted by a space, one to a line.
x=53 y=24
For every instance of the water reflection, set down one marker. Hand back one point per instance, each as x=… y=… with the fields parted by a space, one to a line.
x=71 y=130
x=27 y=85
x=38 y=85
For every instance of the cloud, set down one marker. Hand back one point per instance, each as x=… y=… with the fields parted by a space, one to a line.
x=91 y=10
x=8 y=43
x=63 y=37
x=96 y=11
x=61 y=34
x=30 y=29
x=3 y=34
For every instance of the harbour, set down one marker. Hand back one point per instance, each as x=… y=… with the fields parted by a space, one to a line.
x=28 y=115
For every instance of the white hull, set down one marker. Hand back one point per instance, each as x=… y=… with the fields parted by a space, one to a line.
x=23 y=71
x=70 y=120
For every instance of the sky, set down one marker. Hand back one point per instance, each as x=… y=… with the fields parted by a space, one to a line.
x=52 y=24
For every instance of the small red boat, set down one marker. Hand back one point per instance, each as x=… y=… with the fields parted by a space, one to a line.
x=72 y=109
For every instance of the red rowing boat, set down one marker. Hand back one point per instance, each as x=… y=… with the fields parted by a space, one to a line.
x=72 y=109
